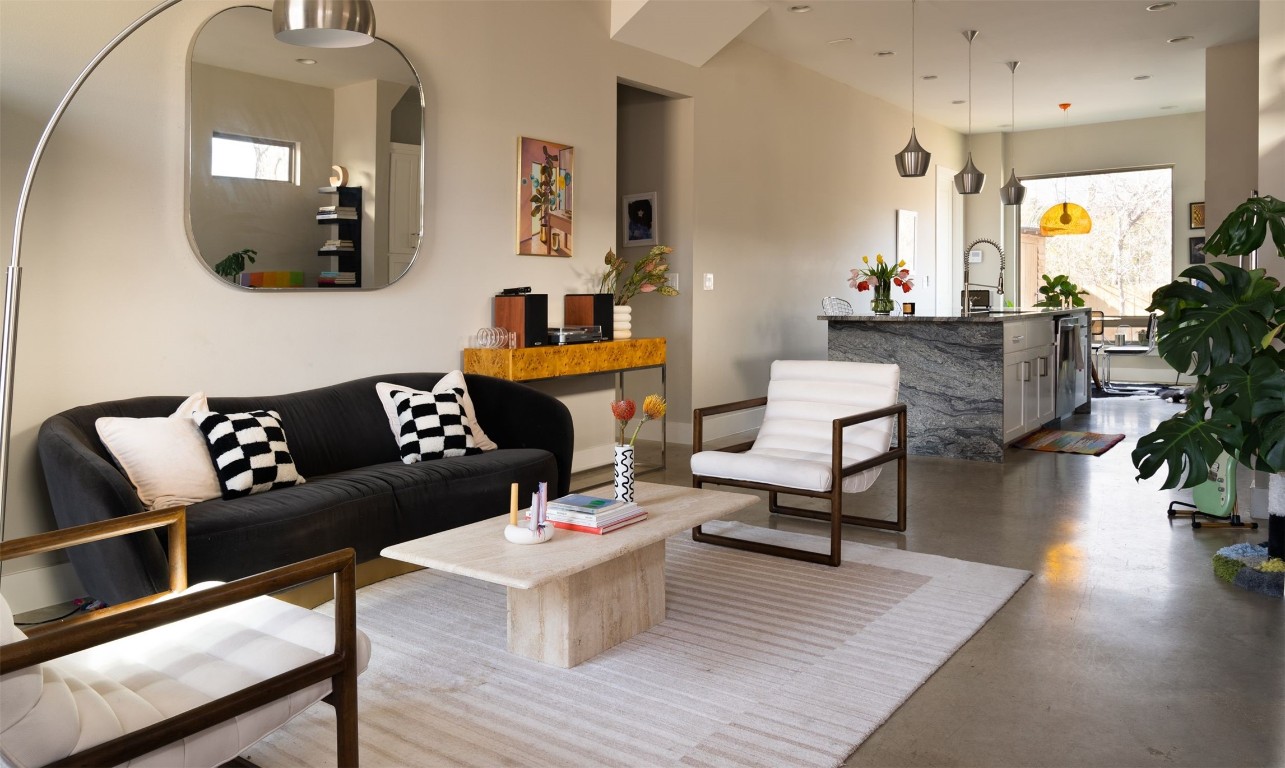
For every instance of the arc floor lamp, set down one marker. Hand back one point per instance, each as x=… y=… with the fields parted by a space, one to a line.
x=311 y=23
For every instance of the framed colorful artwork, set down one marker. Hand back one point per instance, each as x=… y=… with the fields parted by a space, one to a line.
x=1197 y=213
x=545 y=173
x=640 y=218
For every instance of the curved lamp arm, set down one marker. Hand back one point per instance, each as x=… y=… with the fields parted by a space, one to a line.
x=13 y=275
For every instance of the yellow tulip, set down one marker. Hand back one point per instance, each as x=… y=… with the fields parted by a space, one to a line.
x=879 y=258
x=901 y=263
x=865 y=259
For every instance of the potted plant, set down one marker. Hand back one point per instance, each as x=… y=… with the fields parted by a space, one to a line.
x=234 y=263
x=1224 y=330
x=1059 y=292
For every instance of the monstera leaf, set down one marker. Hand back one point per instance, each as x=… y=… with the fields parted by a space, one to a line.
x=1245 y=229
x=1186 y=445
x=1202 y=328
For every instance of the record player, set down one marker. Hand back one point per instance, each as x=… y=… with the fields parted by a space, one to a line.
x=575 y=334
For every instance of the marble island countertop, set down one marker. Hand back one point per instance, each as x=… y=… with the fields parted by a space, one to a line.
x=988 y=316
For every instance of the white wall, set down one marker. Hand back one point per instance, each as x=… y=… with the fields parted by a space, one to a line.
x=793 y=182
x=1271 y=112
x=1231 y=128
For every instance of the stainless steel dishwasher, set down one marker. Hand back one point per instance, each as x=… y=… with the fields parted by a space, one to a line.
x=1071 y=342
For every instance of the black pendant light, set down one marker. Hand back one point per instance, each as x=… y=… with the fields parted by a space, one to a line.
x=913 y=160
x=970 y=180
x=1012 y=193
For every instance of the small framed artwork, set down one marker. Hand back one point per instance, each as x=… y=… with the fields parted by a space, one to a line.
x=1197 y=213
x=545 y=173
x=640 y=218
x=1196 y=250
x=907 y=234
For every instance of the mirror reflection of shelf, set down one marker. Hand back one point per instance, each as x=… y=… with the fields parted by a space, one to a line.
x=344 y=249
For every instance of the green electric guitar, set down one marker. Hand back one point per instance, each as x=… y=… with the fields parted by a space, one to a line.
x=1216 y=497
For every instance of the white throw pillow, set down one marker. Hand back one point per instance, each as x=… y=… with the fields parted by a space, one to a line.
x=165 y=457
x=452 y=380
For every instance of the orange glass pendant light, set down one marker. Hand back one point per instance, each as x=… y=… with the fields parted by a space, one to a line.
x=1065 y=218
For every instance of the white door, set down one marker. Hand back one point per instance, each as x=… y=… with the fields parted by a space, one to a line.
x=950 y=242
x=403 y=207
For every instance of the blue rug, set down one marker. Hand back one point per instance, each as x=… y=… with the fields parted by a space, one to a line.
x=1248 y=567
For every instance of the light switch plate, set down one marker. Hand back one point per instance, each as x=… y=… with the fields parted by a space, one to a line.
x=975 y=256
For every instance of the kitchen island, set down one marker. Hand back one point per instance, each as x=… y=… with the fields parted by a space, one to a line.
x=976 y=383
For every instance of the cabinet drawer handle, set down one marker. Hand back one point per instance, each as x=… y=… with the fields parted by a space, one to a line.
x=1044 y=366
x=1026 y=370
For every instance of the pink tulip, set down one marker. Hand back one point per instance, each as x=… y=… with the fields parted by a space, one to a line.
x=647 y=288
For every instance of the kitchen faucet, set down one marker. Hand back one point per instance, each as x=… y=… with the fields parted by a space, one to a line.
x=999 y=291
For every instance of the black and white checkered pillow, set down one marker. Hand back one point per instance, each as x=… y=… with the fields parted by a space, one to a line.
x=433 y=425
x=249 y=451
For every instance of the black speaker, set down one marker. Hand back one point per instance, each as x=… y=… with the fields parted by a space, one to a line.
x=526 y=315
x=589 y=309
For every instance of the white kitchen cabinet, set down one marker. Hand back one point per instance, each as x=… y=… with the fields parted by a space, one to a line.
x=1028 y=376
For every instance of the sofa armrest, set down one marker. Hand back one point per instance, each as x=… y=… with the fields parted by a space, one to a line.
x=85 y=488
x=517 y=416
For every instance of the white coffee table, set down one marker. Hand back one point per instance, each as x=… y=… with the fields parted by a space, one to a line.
x=578 y=594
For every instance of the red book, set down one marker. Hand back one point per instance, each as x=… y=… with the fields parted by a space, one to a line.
x=608 y=529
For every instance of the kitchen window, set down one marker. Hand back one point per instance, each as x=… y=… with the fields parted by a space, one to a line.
x=1127 y=255
x=246 y=157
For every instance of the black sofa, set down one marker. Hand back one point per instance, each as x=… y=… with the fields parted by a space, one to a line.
x=358 y=492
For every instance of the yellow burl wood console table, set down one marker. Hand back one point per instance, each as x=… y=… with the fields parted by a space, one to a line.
x=555 y=362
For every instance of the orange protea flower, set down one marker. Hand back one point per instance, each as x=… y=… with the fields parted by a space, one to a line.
x=653 y=408
x=623 y=410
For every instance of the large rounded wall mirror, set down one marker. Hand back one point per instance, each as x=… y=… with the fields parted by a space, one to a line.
x=306 y=165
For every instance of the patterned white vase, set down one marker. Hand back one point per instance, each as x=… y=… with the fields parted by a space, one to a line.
x=624 y=472
x=621 y=322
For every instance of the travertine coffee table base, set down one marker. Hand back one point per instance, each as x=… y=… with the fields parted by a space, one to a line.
x=573 y=619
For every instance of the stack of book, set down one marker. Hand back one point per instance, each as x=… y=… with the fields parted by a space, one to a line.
x=337 y=245
x=336 y=213
x=337 y=278
x=593 y=514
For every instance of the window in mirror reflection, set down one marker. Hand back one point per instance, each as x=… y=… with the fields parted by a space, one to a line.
x=245 y=157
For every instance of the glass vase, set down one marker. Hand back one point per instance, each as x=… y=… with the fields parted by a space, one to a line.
x=882 y=302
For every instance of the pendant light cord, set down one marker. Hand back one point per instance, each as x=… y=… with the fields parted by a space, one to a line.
x=912 y=65
x=970 y=94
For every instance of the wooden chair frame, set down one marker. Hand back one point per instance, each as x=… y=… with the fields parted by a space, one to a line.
x=52 y=641
x=835 y=494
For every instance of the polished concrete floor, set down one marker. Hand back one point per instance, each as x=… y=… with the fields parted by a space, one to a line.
x=1122 y=649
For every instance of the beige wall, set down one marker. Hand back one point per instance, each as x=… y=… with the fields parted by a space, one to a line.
x=1271 y=115
x=1231 y=128
x=793 y=181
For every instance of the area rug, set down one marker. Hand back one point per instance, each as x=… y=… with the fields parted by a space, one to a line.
x=761 y=661
x=1062 y=441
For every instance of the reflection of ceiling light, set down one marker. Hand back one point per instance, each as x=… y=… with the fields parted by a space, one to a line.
x=1180 y=39
x=306 y=61
x=1160 y=6
x=1142 y=77
x=928 y=77
x=885 y=54
x=800 y=8
x=959 y=101
x=838 y=40
x=1169 y=106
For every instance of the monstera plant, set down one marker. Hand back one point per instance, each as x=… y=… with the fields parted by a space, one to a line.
x=1222 y=324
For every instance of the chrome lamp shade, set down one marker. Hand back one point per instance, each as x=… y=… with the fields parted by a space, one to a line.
x=1012 y=193
x=914 y=159
x=324 y=23
x=970 y=180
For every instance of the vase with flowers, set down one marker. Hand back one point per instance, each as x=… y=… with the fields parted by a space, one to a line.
x=881 y=276
x=650 y=274
x=653 y=408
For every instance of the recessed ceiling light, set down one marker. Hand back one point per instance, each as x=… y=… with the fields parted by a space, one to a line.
x=1180 y=39
x=1169 y=106
x=838 y=40
x=959 y=101
x=885 y=54
x=306 y=61
x=1142 y=77
x=1005 y=125
x=800 y=8
x=1160 y=6
x=928 y=77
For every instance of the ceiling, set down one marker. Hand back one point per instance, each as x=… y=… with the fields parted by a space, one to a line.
x=1086 y=52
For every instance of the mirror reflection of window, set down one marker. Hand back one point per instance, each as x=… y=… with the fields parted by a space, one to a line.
x=244 y=157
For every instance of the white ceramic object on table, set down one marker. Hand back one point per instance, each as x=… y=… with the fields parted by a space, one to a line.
x=520 y=534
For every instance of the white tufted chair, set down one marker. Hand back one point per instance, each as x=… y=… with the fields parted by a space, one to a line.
x=191 y=677
x=823 y=420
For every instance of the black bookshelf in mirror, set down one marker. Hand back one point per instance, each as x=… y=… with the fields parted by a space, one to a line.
x=343 y=247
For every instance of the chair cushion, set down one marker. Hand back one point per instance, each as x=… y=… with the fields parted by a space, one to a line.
x=20 y=689
x=101 y=693
x=804 y=397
